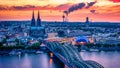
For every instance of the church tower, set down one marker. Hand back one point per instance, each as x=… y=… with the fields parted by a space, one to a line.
x=38 y=20
x=33 y=20
x=36 y=29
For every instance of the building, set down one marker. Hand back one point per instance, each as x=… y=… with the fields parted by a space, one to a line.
x=87 y=22
x=11 y=42
x=36 y=29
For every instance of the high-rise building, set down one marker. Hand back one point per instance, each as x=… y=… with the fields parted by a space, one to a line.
x=87 y=22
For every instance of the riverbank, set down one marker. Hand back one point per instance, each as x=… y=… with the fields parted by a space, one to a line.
x=45 y=50
x=22 y=51
x=98 y=47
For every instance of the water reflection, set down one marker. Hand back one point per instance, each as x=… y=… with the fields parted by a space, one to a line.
x=30 y=61
x=57 y=63
x=107 y=59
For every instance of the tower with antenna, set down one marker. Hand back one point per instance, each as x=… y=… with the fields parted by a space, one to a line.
x=63 y=18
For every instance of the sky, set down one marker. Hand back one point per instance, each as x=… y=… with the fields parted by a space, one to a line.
x=53 y=10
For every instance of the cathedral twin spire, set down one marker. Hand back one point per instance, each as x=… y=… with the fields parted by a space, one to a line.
x=38 y=20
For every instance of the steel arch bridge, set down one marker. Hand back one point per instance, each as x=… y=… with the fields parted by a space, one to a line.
x=70 y=56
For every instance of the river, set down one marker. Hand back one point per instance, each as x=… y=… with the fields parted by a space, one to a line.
x=107 y=59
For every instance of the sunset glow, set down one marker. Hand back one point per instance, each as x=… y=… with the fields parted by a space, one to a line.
x=52 y=10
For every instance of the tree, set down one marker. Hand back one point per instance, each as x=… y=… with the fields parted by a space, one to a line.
x=1 y=44
x=35 y=46
x=98 y=45
x=7 y=37
x=19 y=46
x=89 y=45
x=4 y=40
x=118 y=45
x=17 y=40
x=61 y=33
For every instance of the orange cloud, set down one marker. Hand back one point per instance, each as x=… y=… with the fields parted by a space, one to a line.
x=52 y=12
x=65 y=6
x=32 y=7
x=115 y=0
x=107 y=9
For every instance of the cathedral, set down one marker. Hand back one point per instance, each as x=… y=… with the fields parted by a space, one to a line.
x=36 y=29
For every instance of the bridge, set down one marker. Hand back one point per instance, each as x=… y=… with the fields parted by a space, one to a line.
x=70 y=56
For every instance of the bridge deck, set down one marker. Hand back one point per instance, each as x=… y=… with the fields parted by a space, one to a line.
x=70 y=56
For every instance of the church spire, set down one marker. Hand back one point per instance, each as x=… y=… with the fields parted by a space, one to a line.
x=33 y=20
x=38 y=15
x=33 y=15
x=38 y=20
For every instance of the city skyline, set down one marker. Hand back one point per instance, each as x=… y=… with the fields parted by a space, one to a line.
x=52 y=10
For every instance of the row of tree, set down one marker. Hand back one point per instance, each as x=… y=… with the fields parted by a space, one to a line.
x=102 y=45
x=35 y=46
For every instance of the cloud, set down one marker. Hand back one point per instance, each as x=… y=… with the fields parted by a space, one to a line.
x=106 y=10
x=63 y=6
x=67 y=6
x=16 y=7
x=3 y=7
x=26 y=7
x=90 y=4
x=115 y=1
x=92 y=11
x=32 y=7
x=23 y=7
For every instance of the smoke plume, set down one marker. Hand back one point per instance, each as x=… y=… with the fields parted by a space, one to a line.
x=76 y=7
x=90 y=4
x=79 y=6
